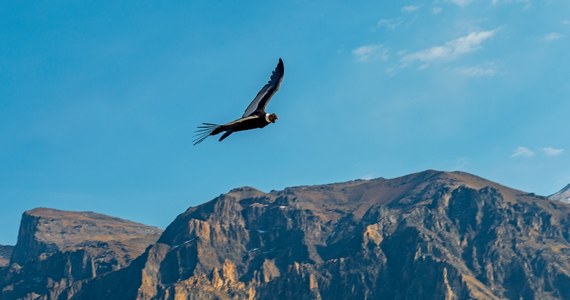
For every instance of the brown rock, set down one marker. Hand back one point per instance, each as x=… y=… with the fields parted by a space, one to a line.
x=429 y=235
x=58 y=251
x=563 y=195
x=5 y=253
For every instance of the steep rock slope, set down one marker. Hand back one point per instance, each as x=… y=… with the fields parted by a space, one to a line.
x=563 y=195
x=57 y=251
x=430 y=235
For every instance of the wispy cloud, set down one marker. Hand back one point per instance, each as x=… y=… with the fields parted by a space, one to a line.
x=483 y=70
x=410 y=8
x=389 y=23
x=460 y=3
x=522 y=152
x=550 y=151
x=553 y=36
x=436 y=10
x=451 y=49
x=565 y=22
x=371 y=52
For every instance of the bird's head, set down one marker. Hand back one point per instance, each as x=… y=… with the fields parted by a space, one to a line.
x=272 y=118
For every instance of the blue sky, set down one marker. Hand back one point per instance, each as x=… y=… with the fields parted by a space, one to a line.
x=99 y=101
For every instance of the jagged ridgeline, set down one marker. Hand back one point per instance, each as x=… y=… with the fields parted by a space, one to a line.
x=429 y=235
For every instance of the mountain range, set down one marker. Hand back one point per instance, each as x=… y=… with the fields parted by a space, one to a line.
x=428 y=235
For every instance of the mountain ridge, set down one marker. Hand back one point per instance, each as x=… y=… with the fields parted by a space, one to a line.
x=563 y=195
x=425 y=235
x=58 y=251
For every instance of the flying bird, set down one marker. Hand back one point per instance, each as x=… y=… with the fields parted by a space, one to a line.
x=254 y=115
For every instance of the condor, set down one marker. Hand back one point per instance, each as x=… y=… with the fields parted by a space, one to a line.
x=254 y=116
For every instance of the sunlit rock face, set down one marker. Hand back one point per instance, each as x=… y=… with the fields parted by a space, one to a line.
x=429 y=235
x=563 y=195
x=58 y=251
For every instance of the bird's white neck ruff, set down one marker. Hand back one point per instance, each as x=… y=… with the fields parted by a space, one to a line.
x=267 y=118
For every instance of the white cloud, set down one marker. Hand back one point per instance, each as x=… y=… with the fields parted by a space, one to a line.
x=522 y=152
x=460 y=3
x=370 y=52
x=451 y=49
x=526 y=152
x=436 y=10
x=484 y=70
x=553 y=36
x=410 y=8
x=565 y=22
x=389 y=23
x=552 y=151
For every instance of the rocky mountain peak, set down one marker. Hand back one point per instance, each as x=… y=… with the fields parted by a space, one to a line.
x=44 y=231
x=563 y=195
x=58 y=250
x=426 y=235
x=432 y=234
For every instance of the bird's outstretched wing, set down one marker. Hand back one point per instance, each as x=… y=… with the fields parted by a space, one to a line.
x=260 y=101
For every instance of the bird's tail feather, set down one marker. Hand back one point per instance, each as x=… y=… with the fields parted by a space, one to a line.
x=204 y=131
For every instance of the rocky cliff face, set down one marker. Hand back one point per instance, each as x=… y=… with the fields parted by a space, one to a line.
x=430 y=235
x=563 y=195
x=5 y=253
x=58 y=251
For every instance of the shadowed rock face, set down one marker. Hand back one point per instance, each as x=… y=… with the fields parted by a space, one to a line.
x=430 y=235
x=5 y=253
x=57 y=251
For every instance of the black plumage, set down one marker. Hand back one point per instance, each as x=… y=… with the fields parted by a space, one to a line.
x=254 y=115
